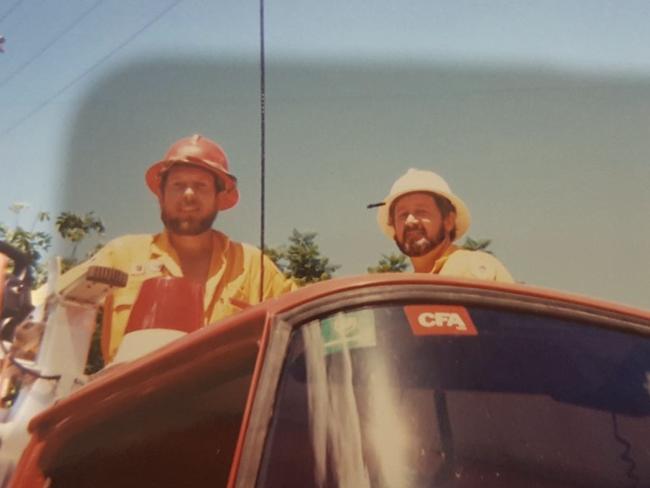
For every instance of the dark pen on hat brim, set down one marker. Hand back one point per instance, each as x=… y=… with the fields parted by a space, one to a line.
x=374 y=205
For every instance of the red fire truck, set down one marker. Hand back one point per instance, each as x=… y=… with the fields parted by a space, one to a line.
x=396 y=380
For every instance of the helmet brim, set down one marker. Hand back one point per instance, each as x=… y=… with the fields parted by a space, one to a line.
x=228 y=197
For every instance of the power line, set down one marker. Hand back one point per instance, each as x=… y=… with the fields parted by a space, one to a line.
x=102 y=60
x=50 y=43
x=10 y=9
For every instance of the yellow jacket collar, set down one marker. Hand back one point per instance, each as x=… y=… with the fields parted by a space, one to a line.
x=440 y=262
x=162 y=248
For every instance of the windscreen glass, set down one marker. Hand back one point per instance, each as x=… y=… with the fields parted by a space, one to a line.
x=438 y=395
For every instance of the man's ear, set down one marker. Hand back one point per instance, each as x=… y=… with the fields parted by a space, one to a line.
x=162 y=182
x=218 y=198
x=450 y=221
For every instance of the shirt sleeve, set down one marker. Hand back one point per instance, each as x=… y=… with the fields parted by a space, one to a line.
x=476 y=265
x=103 y=257
x=275 y=283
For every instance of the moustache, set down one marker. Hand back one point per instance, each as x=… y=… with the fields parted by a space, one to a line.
x=415 y=229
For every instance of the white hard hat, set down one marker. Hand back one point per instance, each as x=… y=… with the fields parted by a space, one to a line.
x=417 y=180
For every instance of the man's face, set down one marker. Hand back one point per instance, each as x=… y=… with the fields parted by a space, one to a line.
x=419 y=225
x=189 y=201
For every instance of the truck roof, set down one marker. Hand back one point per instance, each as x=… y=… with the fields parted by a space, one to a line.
x=231 y=349
x=236 y=336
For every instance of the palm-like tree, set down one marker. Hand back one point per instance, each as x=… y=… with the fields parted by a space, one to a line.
x=391 y=263
x=477 y=245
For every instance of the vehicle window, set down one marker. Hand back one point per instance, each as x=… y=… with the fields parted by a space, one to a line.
x=412 y=396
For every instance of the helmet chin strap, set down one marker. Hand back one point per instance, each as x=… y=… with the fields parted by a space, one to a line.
x=375 y=205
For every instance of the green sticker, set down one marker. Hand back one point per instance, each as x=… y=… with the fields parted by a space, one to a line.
x=351 y=330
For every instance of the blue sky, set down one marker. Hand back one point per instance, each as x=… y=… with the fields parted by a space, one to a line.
x=537 y=114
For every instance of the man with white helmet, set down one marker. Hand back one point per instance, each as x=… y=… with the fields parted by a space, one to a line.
x=425 y=217
x=192 y=184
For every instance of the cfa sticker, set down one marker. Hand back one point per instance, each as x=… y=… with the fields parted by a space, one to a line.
x=440 y=320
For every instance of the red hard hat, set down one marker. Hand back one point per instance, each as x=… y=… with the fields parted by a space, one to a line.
x=198 y=151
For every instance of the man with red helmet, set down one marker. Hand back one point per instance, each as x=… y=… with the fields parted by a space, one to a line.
x=424 y=218
x=193 y=184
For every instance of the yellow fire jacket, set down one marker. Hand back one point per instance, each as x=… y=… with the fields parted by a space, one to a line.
x=233 y=279
x=478 y=265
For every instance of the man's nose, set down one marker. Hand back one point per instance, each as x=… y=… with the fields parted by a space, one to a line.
x=188 y=194
x=410 y=219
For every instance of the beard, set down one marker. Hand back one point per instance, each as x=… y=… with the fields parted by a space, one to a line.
x=415 y=242
x=187 y=225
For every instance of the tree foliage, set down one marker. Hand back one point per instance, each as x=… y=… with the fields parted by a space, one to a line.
x=36 y=241
x=302 y=260
x=390 y=263
x=477 y=245
x=74 y=229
